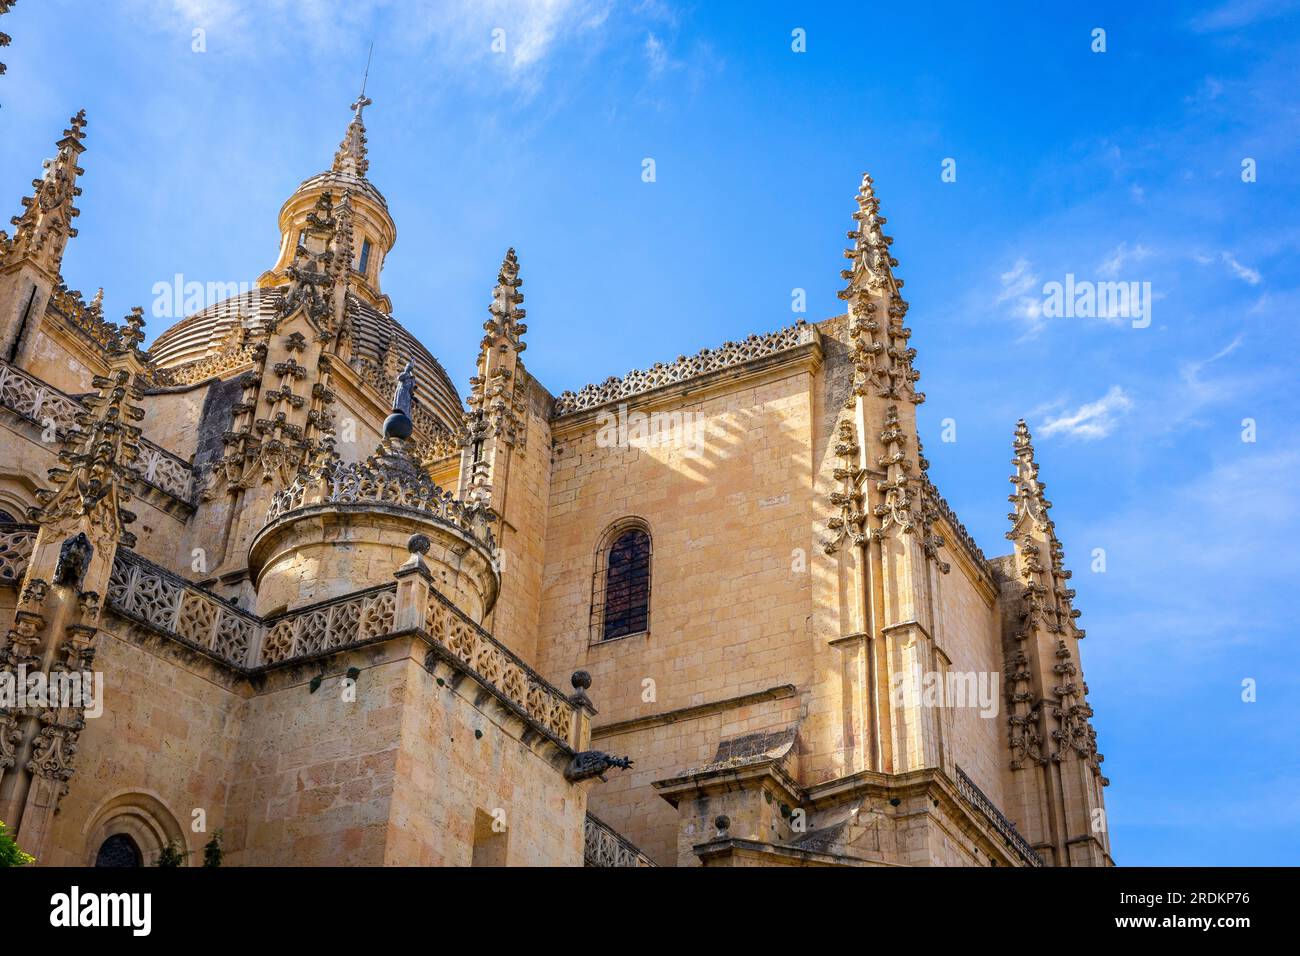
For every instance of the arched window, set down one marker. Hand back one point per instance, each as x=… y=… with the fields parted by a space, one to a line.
x=620 y=603
x=118 y=850
x=7 y=518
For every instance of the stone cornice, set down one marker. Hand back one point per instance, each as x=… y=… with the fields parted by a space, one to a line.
x=780 y=692
x=711 y=781
x=805 y=359
x=67 y=333
x=931 y=781
x=790 y=855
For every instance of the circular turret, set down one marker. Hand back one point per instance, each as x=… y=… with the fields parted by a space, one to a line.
x=351 y=526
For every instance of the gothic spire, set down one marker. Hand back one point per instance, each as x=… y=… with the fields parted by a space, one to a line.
x=872 y=262
x=1028 y=499
x=351 y=156
x=504 y=327
x=45 y=225
x=882 y=357
x=498 y=393
x=1043 y=670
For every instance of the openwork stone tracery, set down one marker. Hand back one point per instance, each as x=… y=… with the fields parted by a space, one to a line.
x=727 y=355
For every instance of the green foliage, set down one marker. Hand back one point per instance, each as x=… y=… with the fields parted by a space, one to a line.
x=11 y=854
x=171 y=855
x=212 y=850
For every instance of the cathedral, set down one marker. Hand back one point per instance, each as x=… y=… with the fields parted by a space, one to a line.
x=273 y=592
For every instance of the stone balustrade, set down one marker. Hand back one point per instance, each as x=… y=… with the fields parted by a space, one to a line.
x=46 y=406
x=603 y=846
x=150 y=595
x=496 y=666
x=329 y=625
x=154 y=597
x=1004 y=827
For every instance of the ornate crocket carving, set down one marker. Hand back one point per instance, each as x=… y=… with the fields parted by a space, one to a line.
x=45 y=225
x=1045 y=631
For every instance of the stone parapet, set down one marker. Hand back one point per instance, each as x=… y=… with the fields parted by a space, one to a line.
x=661 y=374
x=46 y=406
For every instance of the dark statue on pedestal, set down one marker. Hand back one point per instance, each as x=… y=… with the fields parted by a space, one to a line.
x=399 y=424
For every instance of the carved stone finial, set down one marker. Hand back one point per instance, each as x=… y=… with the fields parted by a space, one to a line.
x=132 y=332
x=1028 y=498
x=882 y=358
x=723 y=823
x=418 y=544
x=45 y=225
x=581 y=681
x=351 y=155
x=1043 y=716
x=498 y=397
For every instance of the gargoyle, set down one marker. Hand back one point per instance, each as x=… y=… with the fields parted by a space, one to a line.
x=74 y=559
x=593 y=763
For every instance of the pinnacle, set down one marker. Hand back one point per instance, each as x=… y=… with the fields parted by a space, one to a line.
x=870 y=250
x=508 y=280
x=351 y=155
x=132 y=332
x=76 y=132
x=1023 y=441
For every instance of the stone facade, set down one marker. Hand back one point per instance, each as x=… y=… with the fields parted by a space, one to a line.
x=333 y=606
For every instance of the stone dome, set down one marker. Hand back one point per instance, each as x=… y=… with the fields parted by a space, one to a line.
x=199 y=335
x=339 y=182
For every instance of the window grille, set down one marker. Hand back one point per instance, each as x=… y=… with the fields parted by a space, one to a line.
x=117 y=851
x=620 y=604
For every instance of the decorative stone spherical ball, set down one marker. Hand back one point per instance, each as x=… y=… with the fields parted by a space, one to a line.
x=398 y=425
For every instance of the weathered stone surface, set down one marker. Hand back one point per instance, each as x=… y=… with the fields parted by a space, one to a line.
x=314 y=648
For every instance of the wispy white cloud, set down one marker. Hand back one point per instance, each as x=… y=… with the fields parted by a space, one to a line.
x=1245 y=273
x=655 y=54
x=1235 y=14
x=1209 y=90
x=1157 y=549
x=1121 y=256
x=1090 y=421
x=519 y=35
x=1020 y=293
x=1201 y=392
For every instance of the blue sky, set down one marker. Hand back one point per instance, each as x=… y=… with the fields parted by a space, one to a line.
x=1122 y=165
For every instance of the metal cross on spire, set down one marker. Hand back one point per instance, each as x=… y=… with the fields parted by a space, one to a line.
x=362 y=100
x=351 y=155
